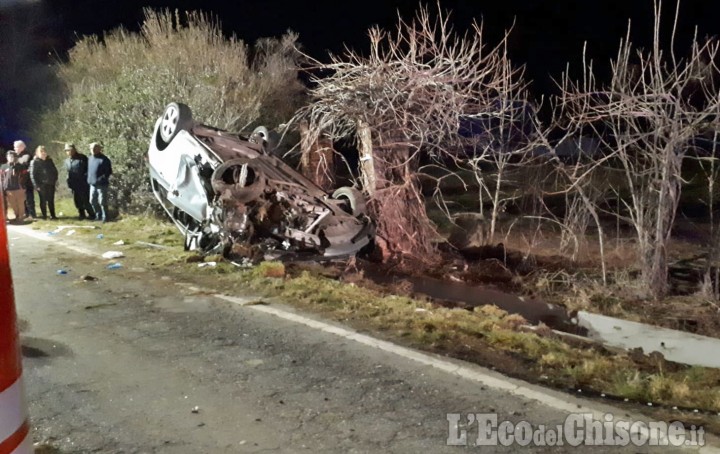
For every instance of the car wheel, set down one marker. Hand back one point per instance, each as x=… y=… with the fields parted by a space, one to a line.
x=265 y=137
x=177 y=117
x=355 y=199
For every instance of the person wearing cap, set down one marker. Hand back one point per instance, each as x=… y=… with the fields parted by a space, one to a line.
x=13 y=179
x=76 y=166
x=44 y=176
x=23 y=158
x=99 y=171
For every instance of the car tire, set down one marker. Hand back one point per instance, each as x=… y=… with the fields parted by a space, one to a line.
x=266 y=138
x=354 y=198
x=176 y=117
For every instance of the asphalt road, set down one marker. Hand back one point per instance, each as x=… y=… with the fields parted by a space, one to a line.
x=132 y=362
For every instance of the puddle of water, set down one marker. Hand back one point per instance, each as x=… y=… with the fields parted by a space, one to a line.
x=534 y=311
x=469 y=296
x=33 y=347
x=676 y=346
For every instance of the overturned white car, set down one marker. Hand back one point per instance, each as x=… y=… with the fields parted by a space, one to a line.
x=228 y=195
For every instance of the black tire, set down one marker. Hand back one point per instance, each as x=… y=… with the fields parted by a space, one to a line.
x=355 y=199
x=176 y=117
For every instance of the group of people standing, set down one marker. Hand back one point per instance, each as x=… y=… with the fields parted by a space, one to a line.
x=88 y=179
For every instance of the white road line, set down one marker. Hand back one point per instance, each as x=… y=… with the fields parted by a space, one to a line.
x=372 y=342
x=474 y=373
x=45 y=236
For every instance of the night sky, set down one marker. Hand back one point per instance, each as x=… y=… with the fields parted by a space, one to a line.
x=546 y=33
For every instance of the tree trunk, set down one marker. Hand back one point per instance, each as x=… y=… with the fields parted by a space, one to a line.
x=367 y=164
x=317 y=159
x=399 y=206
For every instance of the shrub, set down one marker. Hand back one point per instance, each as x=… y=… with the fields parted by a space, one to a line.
x=116 y=87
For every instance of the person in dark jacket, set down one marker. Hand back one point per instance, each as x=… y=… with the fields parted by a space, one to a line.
x=13 y=179
x=99 y=171
x=76 y=166
x=24 y=158
x=44 y=176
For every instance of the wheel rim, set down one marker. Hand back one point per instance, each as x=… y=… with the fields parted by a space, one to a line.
x=169 y=122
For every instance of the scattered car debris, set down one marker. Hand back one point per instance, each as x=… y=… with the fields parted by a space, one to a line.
x=227 y=194
x=152 y=245
x=113 y=255
x=245 y=262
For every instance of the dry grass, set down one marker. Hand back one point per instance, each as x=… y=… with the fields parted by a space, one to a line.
x=270 y=269
x=471 y=335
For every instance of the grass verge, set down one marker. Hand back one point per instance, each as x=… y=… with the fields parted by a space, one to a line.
x=487 y=335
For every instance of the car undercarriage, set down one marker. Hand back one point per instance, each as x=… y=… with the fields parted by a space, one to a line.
x=228 y=195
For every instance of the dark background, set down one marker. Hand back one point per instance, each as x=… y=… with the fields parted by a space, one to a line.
x=546 y=33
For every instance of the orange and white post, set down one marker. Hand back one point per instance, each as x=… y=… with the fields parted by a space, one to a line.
x=14 y=426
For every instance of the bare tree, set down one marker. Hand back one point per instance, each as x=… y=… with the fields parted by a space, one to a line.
x=406 y=97
x=710 y=171
x=317 y=159
x=645 y=121
x=511 y=134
